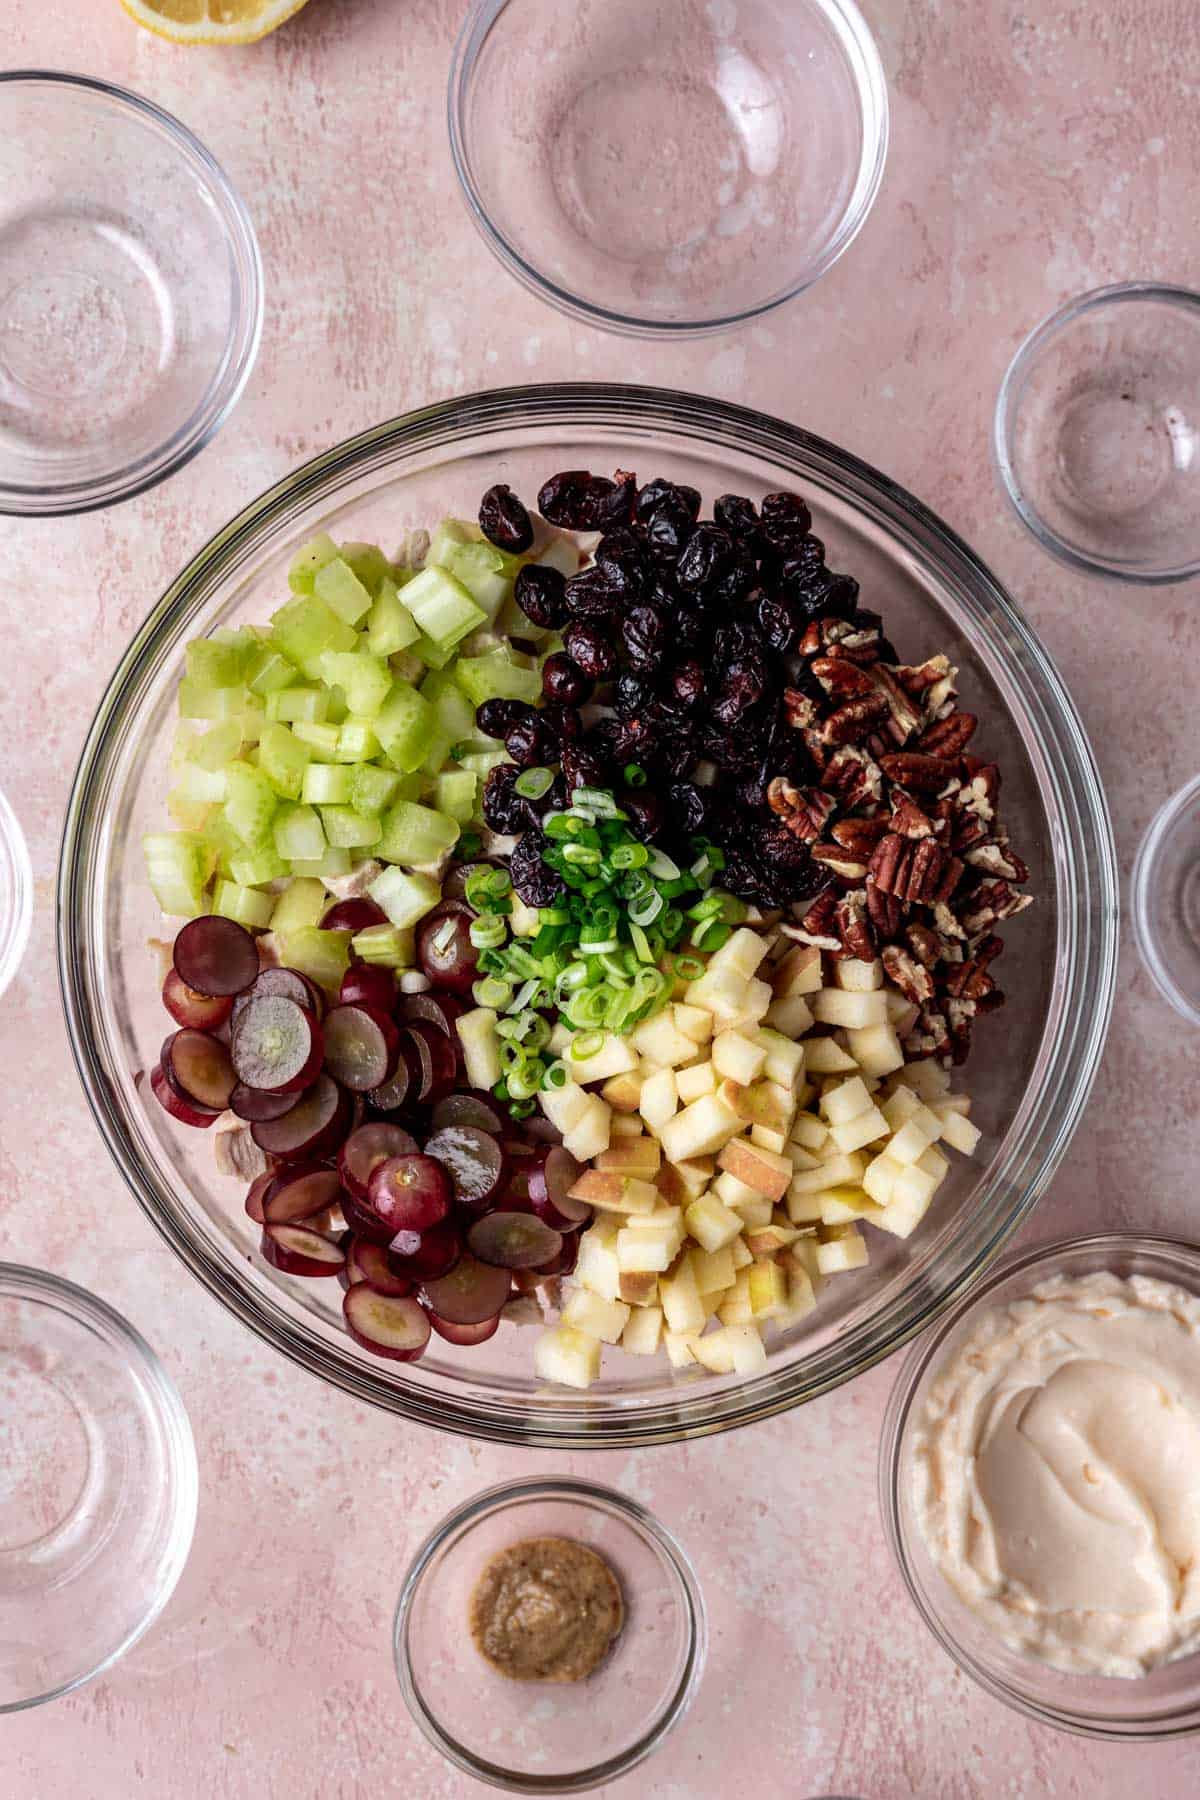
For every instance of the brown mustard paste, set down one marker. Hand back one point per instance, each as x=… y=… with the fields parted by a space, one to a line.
x=546 y=1609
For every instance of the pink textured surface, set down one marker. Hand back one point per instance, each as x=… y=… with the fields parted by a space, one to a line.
x=1037 y=150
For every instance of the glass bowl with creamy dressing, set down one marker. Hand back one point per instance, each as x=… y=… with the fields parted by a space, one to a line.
x=1040 y=1484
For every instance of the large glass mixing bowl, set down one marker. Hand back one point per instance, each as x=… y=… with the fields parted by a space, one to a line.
x=1032 y=1066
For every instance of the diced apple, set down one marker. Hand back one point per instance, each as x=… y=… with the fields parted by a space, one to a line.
x=880 y=1178
x=603 y=1319
x=732 y=1192
x=765 y=1103
x=742 y=952
x=699 y=1129
x=646 y=1252
x=876 y=1049
x=932 y=1162
x=804 y=1250
x=678 y=1346
x=911 y=1196
x=767 y=1289
x=833 y=1006
x=660 y=1099
x=639 y=1287
x=959 y=1132
x=843 y=1206
x=712 y=1224
x=735 y=1308
x=926 y=1078
x=858 y=977
x=785 y=1058
x=805 y=1208
x=616 y=1056
x=754 y=1009
x=693 y=1082
x=790 y=1016
x=623 y=1125
x=695 y=1172
x=770 y=1140
x=914 y=1137
x=848 y=1100
x=640 y=1156
x=765 y=1240
x=615 y=1193
x=714 y=1352
x=799 y=972
x=900 y=1106
x=480 y=1045
x=643 y=1334
x=680 y=1299
x=856 y=1133
x=597 y=1267
x=825 y=1056
x=564 y=1106
x=740 y=1255
x=694 y=1021
x=660 y=1039
x=762 y=1170
x=566 y=1355
x=846 y=1251
x=721 y=992
x=737 y=1058
x=755 y=1213
x=951 y=1103
x=836 y=1171
x=713 y=1269
x=808 y=1132
x=591 y=1131
x=802 y=1297
x=746 y=1346
x=623 y=1092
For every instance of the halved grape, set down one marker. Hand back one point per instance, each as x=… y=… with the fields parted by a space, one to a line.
x=361 y=1047
x=472 y=1292
x=513 y=1240
x=215 y=955
x=538 y=1127
x=371 y=985
x=474 y=1161
x=390 y=1326
x=440 y=1010
x=318 y=1123
x=474 y=1107
x=465 y=1334
x=206 y=1012
x=527 y=1281
x=399 y=1088
x=299 y=1250
x=552 y=1174
x=366 y=1148
x=276 y=1045
x=410 y=1192
x=198 y=1067
x=443 y=1058
x=254 y=1104
x=373 y=1264
x=362 y=1220
x=174 y=1103
x=427 y=1254
x=444 y=948
x=285 y=984
x=300 y=1192
x=353 y=915
x=256 y=1195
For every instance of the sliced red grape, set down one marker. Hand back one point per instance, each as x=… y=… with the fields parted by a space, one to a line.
x=410 y=1192
x=474 y=1161
x=361 y=1047
x=513 y=1240
x=353 y=915
x=254 y=1104
x=173 y=1102
x=206 y=1012
x=363 y=1222
x=538 y=1127
x=444 y=948
x=440 y=1010
x=528 y=1280
x=366 y=1148
x=400 y=1087
x=417 y=1059
x=198 y=1067
x=465 y=1334
x=371 y=985
x=286 y=984
x=276 y=1044
x=474 y=1107
x=300 y=1192
x=472 y=1292
x=427 y=1254
x=552 y=1175
x=216 y=956
x=443 y=1052
x=374 y=1264
x=390 y=1326
x=299 y=1250
x=316 y=1126
x=346 y=1241
x=256 y=1194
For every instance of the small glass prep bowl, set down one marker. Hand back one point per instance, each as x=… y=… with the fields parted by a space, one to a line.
x=1163 y=1704
x=1165 y=900
x=1097 y=433
x=16 y=893
x=1030 y=1073
x=546 y=1738
x=97 y=1487
x=668 y=166
x=130 y=294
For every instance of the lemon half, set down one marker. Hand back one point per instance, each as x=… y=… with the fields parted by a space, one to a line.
x=211 y=21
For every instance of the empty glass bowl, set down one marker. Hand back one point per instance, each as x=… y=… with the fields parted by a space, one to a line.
x=130 y=294
x=543 y=1737
x=671 y=166
x=16 y=894
x=1166 y=900
x=97 y=1487
x=1097 y=433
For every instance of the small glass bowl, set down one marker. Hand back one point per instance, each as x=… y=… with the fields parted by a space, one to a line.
x=16 y=894
x=545 y=1738
x=1165 y=895
x=1097 y=433
x=1162 y=1704
x=97 y=1487
x=130 y=294
x=668 y=168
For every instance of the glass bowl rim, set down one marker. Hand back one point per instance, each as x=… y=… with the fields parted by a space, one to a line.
x=1008 y=402
x=1144 y=862
x=897 y=1414
x=576 y=1490
x=14 y=932
x=1088 y=916
x=18 y=1281
x=870 y=81
x=240 y=351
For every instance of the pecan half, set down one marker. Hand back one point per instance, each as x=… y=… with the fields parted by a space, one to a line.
x=852 y=927
x=997 y=859
x=884 y=910
x=841 y=678
x=925 y=944
x=853 y=721
x=918 y=678
x=803 y=810
x=819 y=917
x=909 y=769
x=991 y=902
x=799 y=711
x=842 y=863
x=854 y=777
x=859 y=836
x=972 y=980
x=948 y=737
x=925 y=872
x=911 y=977
x=908 y=821
x=891 y=865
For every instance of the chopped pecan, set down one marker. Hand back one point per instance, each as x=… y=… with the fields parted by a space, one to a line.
x=842 y=863
x=949 y=737
x=884 y=910
x=854 y=777
x=925 y=873
x=991 y=902
x=799 y=711
x=852 y=927
x=911 y=977
x=909 y=769
x=945 y=923
x=841 y=678
x=891 y=865
x=908 y=821
x=905 y=716
x=972 y=980
x=819 y=917
x=997 y=859
x=930 y=1036
x=968 y=830
x=917 y=679
x=852 y=722
x=980 y=791
x=925 y=944
x=859 y=835
x=951 y=875
x=803 y=810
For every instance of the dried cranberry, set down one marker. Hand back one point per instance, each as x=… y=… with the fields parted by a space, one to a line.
x=780 y=623
x=688 y=806
x=496 y=718
x=562 y=722
x=655 y=492
x=780 y=849
x=736 y=579
x=742 y=686
x=563 y=679
x=738 y=516
x=595 y=593
x=644 y=635
x=786 y=507
x=685 y=687
x=738 y=639
x=620 y=555
x=583 y=767
x=541 y=593
x=529 y=743
x=504 y=521
x=704 y=556
x=676 y=753
x=633 y=695
x=503 y=808
x=622 y=740
x=644 y=811
x=670 y=526
x=536 y=884
x=841 y=599
x=576 y=500
x=590 y=647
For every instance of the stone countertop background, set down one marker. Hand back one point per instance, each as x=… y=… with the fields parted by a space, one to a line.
x=1038 y=149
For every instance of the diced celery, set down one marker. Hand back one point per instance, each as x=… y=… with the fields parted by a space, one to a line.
x=348 y=829
x=251 y=721
x=213 y=749
x=304 y=629
x=387 y=945
x=283 y=759
x=442 y=606
x=331 y=865
x=322 y=740
x=364 y=679
x=196 y=701
x=372 y=790
x=323 y=955
x=327 y=784
x=223 y=844
x=485 y=573
x=404 y=726
x=341 y=590
x=454 y=713
x=496 y=676
x=268 y=672
x=435 y=656
x=256 y=867
x=415 y=835
x=245 y=904
x=189 y=815
x=298 y=834
x=177 y=869
x=250 y=803
x=216 y=665
x=454 y=793
x=308 y=563
x=368 y=563
x=307 y=704
x=390 y=625
x=357 y=742
x=449 y=536
x=404 y=898
x=338 y=712
x=203 y=787
x=435 y=758
x=300 y=905
x=482 y=762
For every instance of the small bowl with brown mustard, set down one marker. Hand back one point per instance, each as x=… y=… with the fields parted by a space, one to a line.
x=549 y=1634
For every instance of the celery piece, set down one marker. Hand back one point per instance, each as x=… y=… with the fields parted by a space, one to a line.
x=333 y=863
x=484 y=572
x=454 y=713
x=215 y=665
x=372 y=790
x=298 y=834
x=442 y=606
x=341 y=590
x=350 y=830
x=322 y=955
x=308 y=563
x=387 y=945
x=415 y=835
x=213 y=749
x=267 y=672
x=322 y=740
x=304 y=629
x=327 y=784
x=364 y=679
x=338 y=711
x=404 y=898
x=438 y=753
x=404 y=726
x=497 y=677
x=250 y=803
x=455 y=792
x=197 y=701
x=308 y=705
x=449 y=536
x=245 y=904
x=203 y=787
x=390 y=625
x=177 y=869
x=284 y=760
x=367 y=562
x=251 y=721
x=189 y=815
x=256 y=868
x=357 y=742
x=301 y=904
x=434 y=656
x=482 y=762
x=223 y=844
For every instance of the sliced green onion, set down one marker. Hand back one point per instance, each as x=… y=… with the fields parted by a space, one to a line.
x=583 y=855
x=493 y=992
x=712 y=906
x=585 y=1044
x=634 y=775
x=556 y=1076
x=524 y=996
x=710 y=934
x=488 y=933
x=521 y=1109
x=646 y=908
x=688 y=968
x=533 y=783
x=629 y=856
x=661 y=866
x=641 y=944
